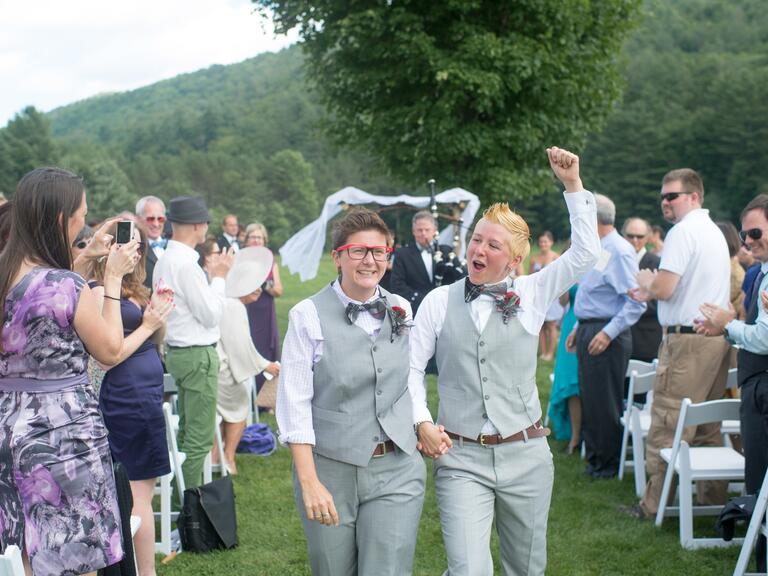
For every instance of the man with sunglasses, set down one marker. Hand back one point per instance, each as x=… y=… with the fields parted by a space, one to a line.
x=150 y=211
x=646 y=332
x=694 y=269
x=751 y=336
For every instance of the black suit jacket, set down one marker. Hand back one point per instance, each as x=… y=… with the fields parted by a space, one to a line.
x=409 y=277
x=646 y=333
x=150 y=268
x=223 y=242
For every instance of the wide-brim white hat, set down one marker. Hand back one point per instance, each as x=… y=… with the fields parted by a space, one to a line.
x=249 y=271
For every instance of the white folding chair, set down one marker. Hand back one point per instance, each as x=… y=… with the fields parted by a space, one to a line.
x=756 y=527
x=11 y=563
x=635 y=369
x=164 y=489
x=731 y=427
x=637 y=423
x=221 y=467
x=694 y=464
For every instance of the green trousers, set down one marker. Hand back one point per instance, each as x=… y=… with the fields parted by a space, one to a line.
x=196 y=371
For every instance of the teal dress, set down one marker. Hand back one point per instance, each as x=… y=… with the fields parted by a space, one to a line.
x=566 y=381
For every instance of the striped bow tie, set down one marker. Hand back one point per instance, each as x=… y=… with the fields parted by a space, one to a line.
x=473 y=291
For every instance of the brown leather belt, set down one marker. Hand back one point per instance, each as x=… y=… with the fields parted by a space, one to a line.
x=535 y=431
x=383 y=448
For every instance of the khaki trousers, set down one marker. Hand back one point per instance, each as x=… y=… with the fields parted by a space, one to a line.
x=690 y=366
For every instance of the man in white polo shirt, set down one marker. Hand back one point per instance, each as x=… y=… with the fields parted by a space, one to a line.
x=694 y=269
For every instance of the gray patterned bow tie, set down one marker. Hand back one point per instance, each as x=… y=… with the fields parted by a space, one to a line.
x=377 y=308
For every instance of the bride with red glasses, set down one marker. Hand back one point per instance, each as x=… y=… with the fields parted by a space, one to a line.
x=345 y=409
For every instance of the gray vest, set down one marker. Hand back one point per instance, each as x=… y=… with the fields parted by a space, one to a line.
x=490 y=375
x=360 y=386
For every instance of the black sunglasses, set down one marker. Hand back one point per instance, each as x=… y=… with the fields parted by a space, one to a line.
x=634 y=236
x=672 y=196
x=81 y=245
x=754 y=233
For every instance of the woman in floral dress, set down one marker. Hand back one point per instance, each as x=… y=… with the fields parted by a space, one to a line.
x=57 y=490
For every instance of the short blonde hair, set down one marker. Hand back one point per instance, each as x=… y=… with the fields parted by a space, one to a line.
x=257 y=226
x=520 y=241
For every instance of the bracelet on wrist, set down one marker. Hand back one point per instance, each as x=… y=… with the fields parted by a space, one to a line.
x=112 y=298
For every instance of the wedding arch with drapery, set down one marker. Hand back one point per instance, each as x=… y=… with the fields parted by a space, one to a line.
x=302 y=252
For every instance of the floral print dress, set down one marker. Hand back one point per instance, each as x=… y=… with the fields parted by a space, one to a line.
x=57 y=489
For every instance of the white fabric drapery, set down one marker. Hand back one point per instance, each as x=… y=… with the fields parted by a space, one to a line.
x=302 y=252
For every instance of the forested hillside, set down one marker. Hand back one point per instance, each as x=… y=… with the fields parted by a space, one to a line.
x=247 y=136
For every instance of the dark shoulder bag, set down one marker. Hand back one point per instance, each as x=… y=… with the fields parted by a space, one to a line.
x=207 y=520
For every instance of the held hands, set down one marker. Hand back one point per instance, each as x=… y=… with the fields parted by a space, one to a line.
x=433 y=440
x=565 y=165
x=599 y=343
x=221 y=263
x=318 y=503
x=160 y=306
x=716 y=319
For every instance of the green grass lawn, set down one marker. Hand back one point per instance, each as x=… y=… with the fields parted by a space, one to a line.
x=587 y=535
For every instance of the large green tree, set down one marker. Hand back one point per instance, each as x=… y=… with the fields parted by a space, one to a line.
x=466 y=91
x=25 y=143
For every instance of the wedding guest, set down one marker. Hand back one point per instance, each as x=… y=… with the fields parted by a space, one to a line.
x=751 y=336
x=646 y=332
x=731 y=236
x=345 y=409
x=81 y=241
x=131 y=394
x=657 y=239
x=238 y=357
x=548 y=336
x=262 y=314
x=193 y=330
x=229 y=232
x=564 y=399
x=57 y=496
x=492 y=455
x=150 y=212
x=603 y=342
x=694 y=269
x=207 y=252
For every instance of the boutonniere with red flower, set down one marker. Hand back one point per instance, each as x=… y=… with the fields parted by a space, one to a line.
x=399 y=320
x=508 y=304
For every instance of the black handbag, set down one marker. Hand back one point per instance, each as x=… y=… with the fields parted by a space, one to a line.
x=207 y=520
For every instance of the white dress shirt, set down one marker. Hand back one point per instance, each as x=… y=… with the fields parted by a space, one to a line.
x=199 y=305
x=233 y=242
x=302 y=349
x=536 y=291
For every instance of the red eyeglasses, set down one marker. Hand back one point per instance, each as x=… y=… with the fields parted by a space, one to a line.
x=359 y=251
x=153 y=219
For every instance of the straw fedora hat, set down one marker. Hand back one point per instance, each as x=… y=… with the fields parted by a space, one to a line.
x=249 y=271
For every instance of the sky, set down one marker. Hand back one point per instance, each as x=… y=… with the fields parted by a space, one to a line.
x=55 y=52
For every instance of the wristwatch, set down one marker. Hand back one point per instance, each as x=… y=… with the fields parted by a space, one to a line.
x=416 y=426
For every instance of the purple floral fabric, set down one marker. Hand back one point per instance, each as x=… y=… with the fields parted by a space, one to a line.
x=57 y=488
x=39 y=339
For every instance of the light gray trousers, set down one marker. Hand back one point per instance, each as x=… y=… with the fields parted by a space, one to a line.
x=511 y=481
x=379 y=508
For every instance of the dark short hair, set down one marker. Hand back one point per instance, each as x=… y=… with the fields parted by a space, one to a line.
x=759 y=202
x=731 y=236
x=689 y=178
x=547 y=234
x=656 y=229
x=357 y=220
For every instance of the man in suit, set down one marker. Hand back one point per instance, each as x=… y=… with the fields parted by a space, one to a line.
x=646 y=334
x=150 y=212
x=416 y=270
x=228 y=236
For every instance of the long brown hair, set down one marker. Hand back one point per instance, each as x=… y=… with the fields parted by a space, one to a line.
x=44 y=201
x=133 y=282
